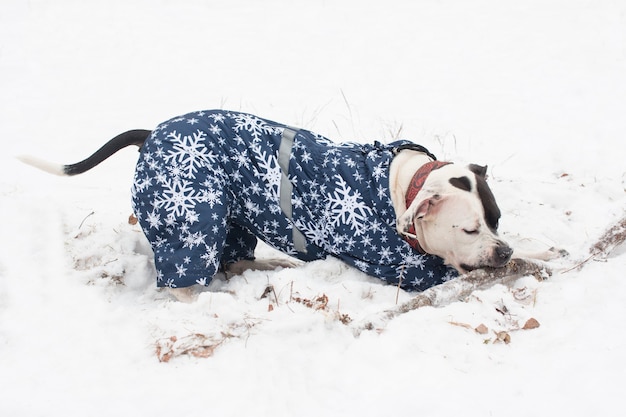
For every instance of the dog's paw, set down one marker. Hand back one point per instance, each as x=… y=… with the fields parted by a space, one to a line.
x=403 y=225
x=558 y=253
x=546 y=255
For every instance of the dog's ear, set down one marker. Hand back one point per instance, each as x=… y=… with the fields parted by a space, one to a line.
x=479 y=170
x=426 y=205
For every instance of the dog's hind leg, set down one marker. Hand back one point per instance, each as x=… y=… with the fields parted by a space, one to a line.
x=239 y=267
x=239 y=253
x=184 y=295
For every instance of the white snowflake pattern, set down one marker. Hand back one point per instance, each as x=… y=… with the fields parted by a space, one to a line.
x=178 y=198
x=315 y=232
x=192 y=240
x=269 y=171
x=253 y=125
x=189 y=153
x=385 y=254
x=154 y=219
x=210 y=256
x=379 y=172
x=242 y=159
x=347 y=206
x=211 y=196
x=362 y=265
x=305 y=158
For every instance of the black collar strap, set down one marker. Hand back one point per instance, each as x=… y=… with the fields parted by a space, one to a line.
x=414 y=147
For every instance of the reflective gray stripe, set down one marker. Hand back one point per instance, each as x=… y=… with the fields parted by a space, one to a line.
x=286 y=188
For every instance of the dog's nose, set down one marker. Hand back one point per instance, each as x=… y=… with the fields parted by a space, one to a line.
x=503 y=252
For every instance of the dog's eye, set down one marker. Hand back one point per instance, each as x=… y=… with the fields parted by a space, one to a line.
x=470 y=232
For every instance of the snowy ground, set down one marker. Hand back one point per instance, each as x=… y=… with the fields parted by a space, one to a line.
x=535 y=89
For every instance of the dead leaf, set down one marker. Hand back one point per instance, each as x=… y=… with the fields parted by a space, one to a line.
x=481 y=329
x=531 y=323
x=503 y=336
x=132 y=220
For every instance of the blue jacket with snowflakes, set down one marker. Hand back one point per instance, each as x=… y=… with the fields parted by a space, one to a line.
x=208 y=184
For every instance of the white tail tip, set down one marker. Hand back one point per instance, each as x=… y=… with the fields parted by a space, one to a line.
x=52 y=168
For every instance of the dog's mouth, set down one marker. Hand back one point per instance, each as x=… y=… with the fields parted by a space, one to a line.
x=468 y=268
x=500 y=257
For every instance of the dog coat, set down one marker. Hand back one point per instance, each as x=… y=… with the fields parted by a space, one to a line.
x=207 y=184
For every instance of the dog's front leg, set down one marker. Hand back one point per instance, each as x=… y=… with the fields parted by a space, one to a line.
x=546 y=255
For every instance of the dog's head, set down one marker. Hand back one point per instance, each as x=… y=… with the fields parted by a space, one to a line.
x=455 y=217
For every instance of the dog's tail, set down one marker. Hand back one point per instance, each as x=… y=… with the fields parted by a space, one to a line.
x=132 y=137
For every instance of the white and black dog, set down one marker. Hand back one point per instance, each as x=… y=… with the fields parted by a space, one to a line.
x=209 y=183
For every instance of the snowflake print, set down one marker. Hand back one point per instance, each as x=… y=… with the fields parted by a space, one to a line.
x=306 y=157
x=379 y=172
x=315 y=232
x=242 y=159
x=210 y=256
x=179 y=197
x=269 y=171
x=191 y=240
x=253 y=125
x=347 y=207
x=211 y=196
x=190 y=152
x=217 y=117
x=385 y=254
x=154 y=219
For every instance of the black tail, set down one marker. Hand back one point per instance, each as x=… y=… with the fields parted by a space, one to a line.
x=132 y=137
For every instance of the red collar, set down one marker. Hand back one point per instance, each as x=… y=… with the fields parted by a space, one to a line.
x=416 y=184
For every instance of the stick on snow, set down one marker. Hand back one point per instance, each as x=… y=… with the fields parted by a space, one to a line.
x=464 y=285
x=460 y=288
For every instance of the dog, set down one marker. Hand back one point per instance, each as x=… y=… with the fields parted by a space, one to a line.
x=208 y=184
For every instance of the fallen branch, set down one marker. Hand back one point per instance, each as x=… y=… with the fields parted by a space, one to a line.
x=612 y=238
x=460 y=288
x=464 y=285
x=605 y=245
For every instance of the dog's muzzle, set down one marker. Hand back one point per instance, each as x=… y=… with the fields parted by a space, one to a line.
x=500 y=255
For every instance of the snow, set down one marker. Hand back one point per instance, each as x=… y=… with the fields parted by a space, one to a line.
x=535 y=89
